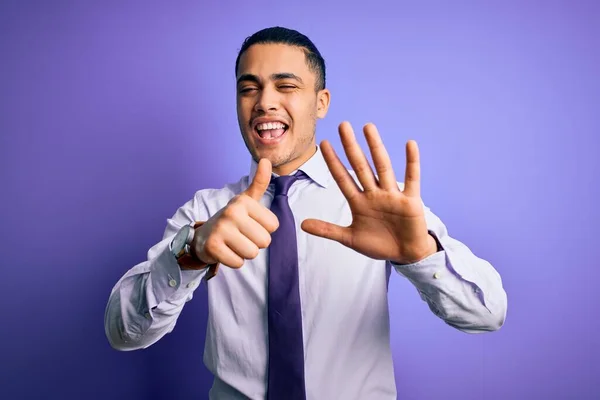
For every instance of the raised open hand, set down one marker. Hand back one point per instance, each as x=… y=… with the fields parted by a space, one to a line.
x=387 y=223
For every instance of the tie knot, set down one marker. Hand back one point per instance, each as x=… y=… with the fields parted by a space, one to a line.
x=284 y=183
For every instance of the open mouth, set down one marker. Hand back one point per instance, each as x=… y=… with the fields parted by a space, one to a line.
x=271 y=130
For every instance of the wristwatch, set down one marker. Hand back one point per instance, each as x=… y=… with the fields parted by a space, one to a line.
x=182 y=251
x=181 y=248
x=182 y=241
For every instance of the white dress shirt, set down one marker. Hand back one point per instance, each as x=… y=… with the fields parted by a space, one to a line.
x=343 y=295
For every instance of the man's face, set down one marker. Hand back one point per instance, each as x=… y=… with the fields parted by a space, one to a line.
x=277 y=105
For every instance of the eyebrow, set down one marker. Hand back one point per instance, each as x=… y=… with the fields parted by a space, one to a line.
x=274 y=77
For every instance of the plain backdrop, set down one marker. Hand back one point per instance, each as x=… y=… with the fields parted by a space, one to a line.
x=113 y=114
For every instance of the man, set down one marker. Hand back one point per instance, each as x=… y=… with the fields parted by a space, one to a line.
x=297 y=254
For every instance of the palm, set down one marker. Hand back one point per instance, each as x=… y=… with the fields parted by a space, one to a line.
x=387 y=223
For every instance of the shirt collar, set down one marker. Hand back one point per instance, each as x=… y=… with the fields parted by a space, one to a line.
x=315 y=167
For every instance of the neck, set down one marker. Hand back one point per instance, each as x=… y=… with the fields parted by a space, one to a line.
x=288 y=168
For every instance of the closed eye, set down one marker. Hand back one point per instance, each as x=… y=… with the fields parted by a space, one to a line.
x=246 y=90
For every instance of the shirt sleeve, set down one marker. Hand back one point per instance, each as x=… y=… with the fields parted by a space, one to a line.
x=460 y=288
x=146 y=302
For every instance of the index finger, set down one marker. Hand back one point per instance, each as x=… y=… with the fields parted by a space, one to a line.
x=261 y=180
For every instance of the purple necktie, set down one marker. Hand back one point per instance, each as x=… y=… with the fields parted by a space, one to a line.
x=286 y=348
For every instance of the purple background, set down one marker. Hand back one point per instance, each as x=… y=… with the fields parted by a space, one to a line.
x=112 y=115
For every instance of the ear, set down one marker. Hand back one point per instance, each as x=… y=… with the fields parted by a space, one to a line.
x=323 y=99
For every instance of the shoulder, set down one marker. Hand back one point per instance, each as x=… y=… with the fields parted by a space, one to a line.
x=209 y=196
x=207 y=202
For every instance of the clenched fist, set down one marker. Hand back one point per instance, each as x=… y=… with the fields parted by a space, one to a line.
x=240 y=229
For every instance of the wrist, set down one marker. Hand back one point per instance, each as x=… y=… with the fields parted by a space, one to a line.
x=182 y=249
x=426 y=247
x=198 y=238
x=211 y=264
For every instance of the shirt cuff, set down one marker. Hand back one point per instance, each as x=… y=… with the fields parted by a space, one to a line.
x=429 y=267
x=167 y=280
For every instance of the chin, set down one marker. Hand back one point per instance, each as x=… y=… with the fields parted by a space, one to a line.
x=276 y=157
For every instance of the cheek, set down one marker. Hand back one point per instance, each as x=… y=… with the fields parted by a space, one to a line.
x=244 y=110
x=301 y=109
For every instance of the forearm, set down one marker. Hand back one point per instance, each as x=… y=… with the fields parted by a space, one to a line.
x=468 y=306
x=459 y=287
x=146 y=302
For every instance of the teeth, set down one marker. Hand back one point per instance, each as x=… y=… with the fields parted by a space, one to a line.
x=270 y=125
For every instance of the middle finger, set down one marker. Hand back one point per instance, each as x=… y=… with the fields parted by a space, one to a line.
x=357 y=157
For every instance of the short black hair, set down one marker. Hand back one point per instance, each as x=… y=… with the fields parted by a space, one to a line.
x=280 y=35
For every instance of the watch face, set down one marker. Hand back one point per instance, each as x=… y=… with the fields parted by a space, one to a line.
x=180 y=239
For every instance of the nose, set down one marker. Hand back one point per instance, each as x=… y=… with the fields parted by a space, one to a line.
x=268 y=100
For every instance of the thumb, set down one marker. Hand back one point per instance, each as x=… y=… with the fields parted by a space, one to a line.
x=261 y=180
x=328 y=231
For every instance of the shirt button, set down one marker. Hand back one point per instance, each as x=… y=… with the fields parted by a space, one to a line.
x=172 y=283
x=436 y=275
x=147 y=315
x=191 y=285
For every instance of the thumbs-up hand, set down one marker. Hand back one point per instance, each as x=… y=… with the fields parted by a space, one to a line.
x=240 y=229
